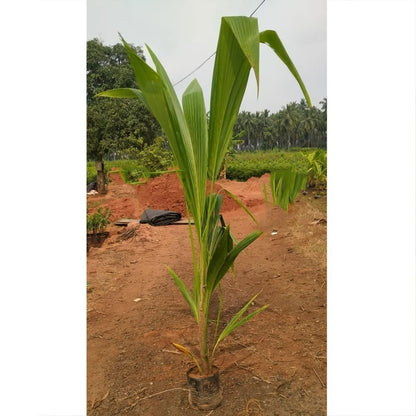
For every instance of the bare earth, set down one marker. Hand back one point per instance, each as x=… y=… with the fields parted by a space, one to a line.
x=273 y=365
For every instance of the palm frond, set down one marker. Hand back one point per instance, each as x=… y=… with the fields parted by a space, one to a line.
x=237 y=53
x=271 y=38
x=239 y=202
x=124 y=93
x=185 y=293
x=187 y=352
x=285 y=185
x=238 y=320
x=221 y=264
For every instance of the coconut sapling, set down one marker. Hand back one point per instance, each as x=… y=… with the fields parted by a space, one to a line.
x=199 y=146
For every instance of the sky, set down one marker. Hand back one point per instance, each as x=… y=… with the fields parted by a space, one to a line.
x=183 y=33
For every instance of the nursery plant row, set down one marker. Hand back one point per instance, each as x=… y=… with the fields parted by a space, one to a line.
x=240 y=166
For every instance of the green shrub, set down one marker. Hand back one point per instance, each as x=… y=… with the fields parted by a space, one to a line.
x=97 y=222
x=134 y=172
x=317 y=167
x=91 y=173
x=243 y=166
x=285 y=185
x=156 y=157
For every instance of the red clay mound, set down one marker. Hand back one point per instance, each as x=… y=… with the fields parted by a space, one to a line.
x=165 y=192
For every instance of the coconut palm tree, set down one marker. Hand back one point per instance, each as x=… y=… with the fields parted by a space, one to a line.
x=199 y=147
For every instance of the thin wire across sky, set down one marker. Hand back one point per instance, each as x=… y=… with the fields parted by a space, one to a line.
x=213 y=54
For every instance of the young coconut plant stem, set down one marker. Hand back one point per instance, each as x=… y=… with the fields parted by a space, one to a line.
x=199 y=147
x=203 y=323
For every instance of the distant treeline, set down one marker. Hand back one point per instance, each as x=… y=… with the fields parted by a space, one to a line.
x=295 y=125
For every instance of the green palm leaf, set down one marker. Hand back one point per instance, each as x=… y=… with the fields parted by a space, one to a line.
x=199 y=149
x=237 y=53
x=162 y=101
x=218 y=257
x=238 y=320
x=185 y=292
x=124 y=93
x=210 y=223
x=270 y=38
x=236 y=199
x=285 y=185
x=221 y=264
x=196 y=119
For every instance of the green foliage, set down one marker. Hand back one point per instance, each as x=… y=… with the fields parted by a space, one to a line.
x=156 y=157
x=118 y=128
x=285 y=185
x=238 y=320
x=91 y=172
x=114 y=127
x=108 y=67
x=241 y=166
x=148 y=162
x=97 y=222
x=317 y=167
x=245 y=165
x=132 y=171
x=199 y=147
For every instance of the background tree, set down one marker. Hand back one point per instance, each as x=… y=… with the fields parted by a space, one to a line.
x=108 y=66
x=114 y=127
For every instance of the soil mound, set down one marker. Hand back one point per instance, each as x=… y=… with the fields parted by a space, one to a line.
x=165 y=192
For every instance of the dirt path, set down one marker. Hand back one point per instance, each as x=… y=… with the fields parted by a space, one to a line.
x=274 y=365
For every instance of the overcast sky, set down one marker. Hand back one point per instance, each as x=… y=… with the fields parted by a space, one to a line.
x=183 y=33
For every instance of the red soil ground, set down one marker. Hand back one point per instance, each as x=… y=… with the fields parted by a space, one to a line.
x=273 y=365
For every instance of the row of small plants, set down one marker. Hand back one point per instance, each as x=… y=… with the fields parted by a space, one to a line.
x=311 y=163
x=243 y=166
x=240 y=166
